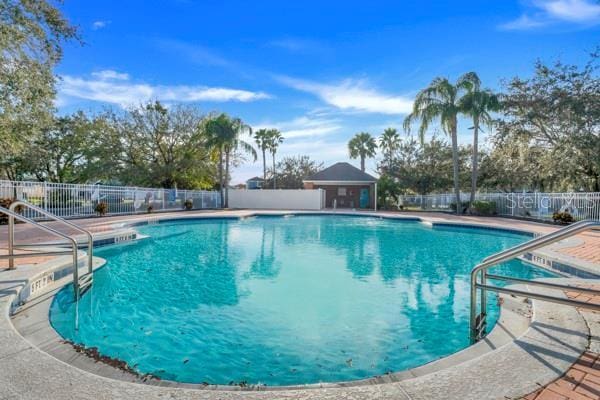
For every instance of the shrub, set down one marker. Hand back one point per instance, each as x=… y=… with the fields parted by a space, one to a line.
x=150 y=208
x=563 y=217
x=101 y=208
x=481 y=207
x=464 y=206
x=189 y=204
x=59 y=198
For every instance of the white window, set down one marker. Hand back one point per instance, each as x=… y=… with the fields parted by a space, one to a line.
x=341 y=191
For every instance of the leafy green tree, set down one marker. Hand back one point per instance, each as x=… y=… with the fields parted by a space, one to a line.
x=441 y=100
x=274 y=139
x=362 y=145
x=477 y=104
x=388 y=190
x=31 y=35
x=558 y=109
x=149 y=145
x=61 y=150
x=292 y=171
x=389 y=142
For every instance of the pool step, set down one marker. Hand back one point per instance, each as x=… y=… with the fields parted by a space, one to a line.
x=85 y=282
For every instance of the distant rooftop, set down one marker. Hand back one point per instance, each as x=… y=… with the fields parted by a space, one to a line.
x=341 y=172
x=256 y=178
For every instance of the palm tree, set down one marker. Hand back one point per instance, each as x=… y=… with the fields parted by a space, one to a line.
x=214 y=128
x=441 y=99
x=274 y=140
x=477 y=103
x=362 y=145
x=235 y=129
x=389 y=142
x=224 y=135
x=261 y=137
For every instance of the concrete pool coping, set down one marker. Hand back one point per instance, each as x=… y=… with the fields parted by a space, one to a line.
x=568 y=329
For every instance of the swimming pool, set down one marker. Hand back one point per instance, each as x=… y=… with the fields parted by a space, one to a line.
x=283 y=301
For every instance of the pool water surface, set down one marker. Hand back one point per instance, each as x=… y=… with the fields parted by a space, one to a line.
x=284 y=301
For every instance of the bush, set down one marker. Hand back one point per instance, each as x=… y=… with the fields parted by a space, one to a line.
x=188 y=204
x=481 y=207
x=6 y=202
x=101 y=208
x=563 y=217
x=464 y=206
x=150 y=208
x=59 y=198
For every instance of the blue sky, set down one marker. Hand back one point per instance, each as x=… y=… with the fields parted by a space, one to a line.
x=320 y=71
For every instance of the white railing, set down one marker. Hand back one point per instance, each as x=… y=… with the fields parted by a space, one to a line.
x=75 y=200
x=541 y=206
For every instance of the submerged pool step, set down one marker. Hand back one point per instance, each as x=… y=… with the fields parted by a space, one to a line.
x=85 y=282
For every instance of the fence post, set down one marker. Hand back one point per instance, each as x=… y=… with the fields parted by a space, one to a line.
x=45 y=190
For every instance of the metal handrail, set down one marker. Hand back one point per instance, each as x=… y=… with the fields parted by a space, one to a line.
x=510 y=254
x=14 y=215
x=11 y=229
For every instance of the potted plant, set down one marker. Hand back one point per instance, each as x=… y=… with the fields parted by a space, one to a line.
x=562 y=217
x=101 y=208
x=188 y=204
x=150 y=208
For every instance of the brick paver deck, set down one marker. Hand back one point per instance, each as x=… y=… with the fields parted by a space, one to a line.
x=582 y=381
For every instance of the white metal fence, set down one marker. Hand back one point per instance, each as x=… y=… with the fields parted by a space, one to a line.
x=74 y=200
x=527 y=205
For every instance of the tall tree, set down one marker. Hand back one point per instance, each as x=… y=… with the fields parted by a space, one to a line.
x=61 y=150
x=274 y=140
x=261 y=137
x=162 y=146
x=292 y=171
x=389 y=141
x=235 y=128
x=215 y=129
x=477 y=103
x=441 y=100
x=558 y=110
x=31 y=35
x=362 y=145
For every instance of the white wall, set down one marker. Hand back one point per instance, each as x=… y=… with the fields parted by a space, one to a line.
x=277 y=199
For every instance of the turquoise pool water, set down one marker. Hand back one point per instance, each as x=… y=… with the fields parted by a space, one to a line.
x=282 y=301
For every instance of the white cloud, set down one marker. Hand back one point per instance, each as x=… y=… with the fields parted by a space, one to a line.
x=522 y=23
x=304 y=126
x=99 y=25
x=112 y=87
x=547 y=12
x=354 y=95
x=109 y=74
x=572 y=10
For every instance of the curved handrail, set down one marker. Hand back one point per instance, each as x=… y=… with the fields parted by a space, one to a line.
x=14 y=215
x=537 y=243
x=90 y=238
x=512 y=253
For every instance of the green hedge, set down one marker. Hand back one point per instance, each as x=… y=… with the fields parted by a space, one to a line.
x=484 y=207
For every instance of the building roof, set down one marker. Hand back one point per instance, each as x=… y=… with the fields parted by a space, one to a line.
x=256 y=178
x=341 y=172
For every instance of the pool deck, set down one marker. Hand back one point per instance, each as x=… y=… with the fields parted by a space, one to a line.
x=558 y=340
